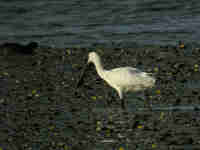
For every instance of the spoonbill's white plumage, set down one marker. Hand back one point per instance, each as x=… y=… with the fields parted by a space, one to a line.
x=123 y=79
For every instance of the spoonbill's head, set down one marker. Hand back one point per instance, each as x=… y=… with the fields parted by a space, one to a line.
x=93 y=57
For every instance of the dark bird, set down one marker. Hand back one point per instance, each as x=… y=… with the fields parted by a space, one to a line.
x=19 y=48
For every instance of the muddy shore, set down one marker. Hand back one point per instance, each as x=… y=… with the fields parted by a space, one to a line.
x=39 y=108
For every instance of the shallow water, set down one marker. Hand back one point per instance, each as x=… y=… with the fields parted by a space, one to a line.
x=86 y=23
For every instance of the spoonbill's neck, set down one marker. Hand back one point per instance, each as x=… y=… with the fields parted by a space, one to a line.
x=99 y=67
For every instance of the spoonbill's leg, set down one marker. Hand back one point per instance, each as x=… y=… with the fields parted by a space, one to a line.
x=109 y=98
x=148 y=100
x=123 y=103
x=119 y=91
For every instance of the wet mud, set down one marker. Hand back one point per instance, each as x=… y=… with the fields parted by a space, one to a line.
x=42 y=108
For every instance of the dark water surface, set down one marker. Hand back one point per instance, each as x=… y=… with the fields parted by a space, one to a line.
x=61 y=23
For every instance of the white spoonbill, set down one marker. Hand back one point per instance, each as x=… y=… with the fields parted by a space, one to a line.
x=122 y=79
